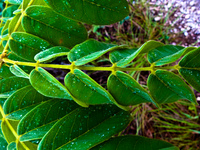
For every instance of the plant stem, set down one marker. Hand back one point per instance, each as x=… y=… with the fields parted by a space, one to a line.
x=6 y=60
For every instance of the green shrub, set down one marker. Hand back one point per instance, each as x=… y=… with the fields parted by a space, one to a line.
x=38 y=112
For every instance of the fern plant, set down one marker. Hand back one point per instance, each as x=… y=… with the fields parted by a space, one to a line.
x=38 y=112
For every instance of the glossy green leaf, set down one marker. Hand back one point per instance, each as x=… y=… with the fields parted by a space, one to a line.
x=14 y=1
x=5 y=27
x=130 y=142
x=126 y=90
x=55 y=28
x=28 y=146
x=13 y=23
x=123 y=58
x=85 y=127
x=26 y=45
x=3 y=144
x=5 y=72
x=78 y=83
x=92 y=11
x=17 y=71
x=27 y=3
x=5 y=127
x=190 y=68
x=166 y=87
x=12 y=146
x=51 y=53
x=117 y=55
x=8 y=12
x=89 y=51
x=167 y=54
x=21 y=102
x=47 y=85
x=10 y=85
x=39 y=120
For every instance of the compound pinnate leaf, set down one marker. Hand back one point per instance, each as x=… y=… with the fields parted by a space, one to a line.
x=190 y=68
x=78 y=83
x=22 y=101
x=57 y=29
x=166 y=87
x=126 y=90
x=92 y=11
x=130 y=142
x=17 y=71
x=47 y=85
x=11 y=84
x=78 y=129
x=167 y=54
x=51 y=53
x=123 y=58
x=39 y=120
x=26 y=45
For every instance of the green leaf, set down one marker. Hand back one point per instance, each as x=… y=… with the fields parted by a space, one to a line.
x=51 y=53
x=190 y=68
x=89 y=51
x=78 y=83
x=13 y=23
x=55 y=28
x=12 y=146
x=27 y=3
x=47 y=85
x=8 y=12
x=21 y=102
x=5 y=27
x=83 y=128
x=5 y=72
x=167 y=54
x=26 y=146
x=10 y=85
x=3 y=144
x=117 y=55
x=123 y=58
x=40 y=120
x=17 y=71
x=126 y=90
x=15 y=2
x=166 y=87
x=92 y=11
x=26 y=46
x=8 y=133
x=130 y=142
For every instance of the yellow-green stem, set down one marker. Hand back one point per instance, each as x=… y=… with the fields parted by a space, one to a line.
x=6 y=60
